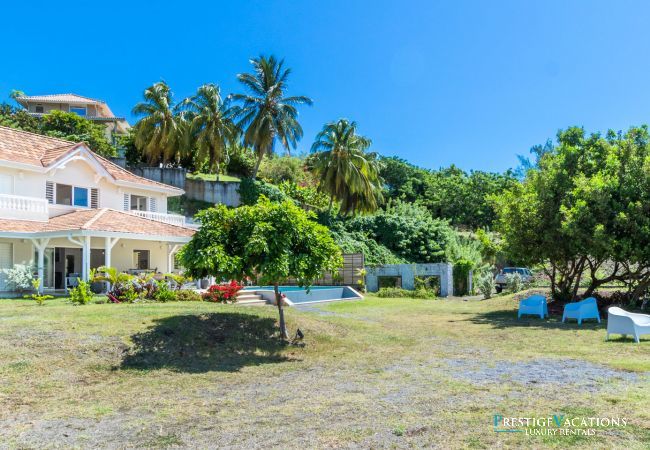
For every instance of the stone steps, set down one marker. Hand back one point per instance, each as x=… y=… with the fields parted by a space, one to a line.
x=244 y=298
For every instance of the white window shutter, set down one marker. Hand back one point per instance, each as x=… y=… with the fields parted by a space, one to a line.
x=153 y=207
x=127 y=202
x=49 y=192
x=94 y=198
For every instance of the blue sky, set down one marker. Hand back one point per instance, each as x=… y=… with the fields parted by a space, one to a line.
x=462 y=82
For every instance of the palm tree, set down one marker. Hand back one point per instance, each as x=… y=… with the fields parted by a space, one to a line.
x=345 y=170
x=210 y=128
x=266 y=114
x=158 y=132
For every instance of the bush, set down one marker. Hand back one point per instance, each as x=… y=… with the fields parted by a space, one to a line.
x=241 y=162
x=250 y=191
x=403 y=293
x=186 y=295
x=486 y=285
x=20 y=277
x=514 y=283
x=38 y=298
x=81 y=294
x=164 y=293
x=223 y=293
x=282 y=168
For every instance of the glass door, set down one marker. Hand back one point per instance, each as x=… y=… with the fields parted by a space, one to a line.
x=48 y=267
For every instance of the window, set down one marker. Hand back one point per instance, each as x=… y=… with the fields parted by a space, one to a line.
x=39 y=109
x=6 y=184
x=141 y=259
x=80 y=196
x=63 y=194
x=79 y=110
x=138 y=203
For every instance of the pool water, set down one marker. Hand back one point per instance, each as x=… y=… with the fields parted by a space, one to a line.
x=297 y=294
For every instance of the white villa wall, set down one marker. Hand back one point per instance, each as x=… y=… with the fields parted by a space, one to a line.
x=77 y=173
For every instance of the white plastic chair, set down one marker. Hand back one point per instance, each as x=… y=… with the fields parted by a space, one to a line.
x=622 y=322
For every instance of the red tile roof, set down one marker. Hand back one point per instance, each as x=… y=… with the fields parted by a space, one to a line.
x=97 y=220
x=42 y=151
x=59 y=98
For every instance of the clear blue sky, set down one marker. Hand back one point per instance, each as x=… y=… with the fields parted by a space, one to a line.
x=463 y=82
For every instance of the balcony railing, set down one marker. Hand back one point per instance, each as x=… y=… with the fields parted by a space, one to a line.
x=23 y=208
x=172 y=219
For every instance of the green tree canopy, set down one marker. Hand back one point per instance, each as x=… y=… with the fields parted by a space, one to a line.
x=265 y=114
x=270 y=241
x=158 y=132
x=586 y=204
x=346 y=172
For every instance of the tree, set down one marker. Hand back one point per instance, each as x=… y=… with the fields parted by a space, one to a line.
x=210 y=127
x=407 y=230
x=266 y=115
x=271 y=241
x=73 y=127
x=158 y=132
x=584 y=210
x=346 y=172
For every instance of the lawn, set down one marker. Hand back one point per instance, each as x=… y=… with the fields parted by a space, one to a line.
x=212 y=177
x=373 y=373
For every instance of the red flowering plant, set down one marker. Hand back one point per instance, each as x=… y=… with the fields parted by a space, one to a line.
x=223 y=293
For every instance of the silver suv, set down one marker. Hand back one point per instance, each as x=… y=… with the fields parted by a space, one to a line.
x=501 y=279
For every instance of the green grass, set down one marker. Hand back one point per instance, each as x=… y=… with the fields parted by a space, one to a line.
x=371 y=373
x=212 y=177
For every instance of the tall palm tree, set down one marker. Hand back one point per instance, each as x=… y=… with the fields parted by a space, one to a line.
x=158 y=132
x=345 y=170
x=210 y=128
x=266 y=115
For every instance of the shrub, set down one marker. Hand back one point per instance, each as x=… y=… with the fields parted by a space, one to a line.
x=486 y=285
x=241 y=162
x=20 y=277
x=164 y=293
x=514 y=283
x=81 y=294
x=282 y=168
x=38 y=298
x=250 y=191
x=186 y=295
x=223 y=293
x=403 y=293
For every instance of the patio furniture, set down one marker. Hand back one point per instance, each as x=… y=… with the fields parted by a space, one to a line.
x=535 y=304
x=585 y=309
x=622 y=322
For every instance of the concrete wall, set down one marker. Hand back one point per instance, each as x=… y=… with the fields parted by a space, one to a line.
x=213 y=191
x=408 y=272
x=174 y=177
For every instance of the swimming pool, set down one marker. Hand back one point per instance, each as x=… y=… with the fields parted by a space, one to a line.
x=299 y=295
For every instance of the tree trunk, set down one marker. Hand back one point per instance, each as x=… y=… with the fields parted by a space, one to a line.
x=257 y=166
x=329 y=210
x=284 y=335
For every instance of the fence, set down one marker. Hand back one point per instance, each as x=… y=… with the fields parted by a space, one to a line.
x=348 y=275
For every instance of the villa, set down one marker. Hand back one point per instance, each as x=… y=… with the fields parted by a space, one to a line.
x=67 y=210
x=90 y=108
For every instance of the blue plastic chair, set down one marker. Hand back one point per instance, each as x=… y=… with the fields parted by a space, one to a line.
x=535 y=304
x=585 y=309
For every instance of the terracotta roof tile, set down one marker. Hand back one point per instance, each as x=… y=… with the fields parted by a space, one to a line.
x=38 y=150
x=97 y=220
x=60 y=98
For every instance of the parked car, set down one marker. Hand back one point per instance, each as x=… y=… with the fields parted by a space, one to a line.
x=502 y=278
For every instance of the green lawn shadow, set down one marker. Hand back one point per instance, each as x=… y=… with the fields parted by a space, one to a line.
x=223 y=342
x=508 y=318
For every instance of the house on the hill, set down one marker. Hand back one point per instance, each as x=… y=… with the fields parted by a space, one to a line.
x=90 y=108
x=67 y=210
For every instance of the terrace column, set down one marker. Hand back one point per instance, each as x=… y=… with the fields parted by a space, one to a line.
x=85 y=259
x=40 y=245
x=171 y=249
x=109 y=243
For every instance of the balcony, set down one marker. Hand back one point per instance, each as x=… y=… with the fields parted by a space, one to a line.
x=172 y=219
x=23 y=208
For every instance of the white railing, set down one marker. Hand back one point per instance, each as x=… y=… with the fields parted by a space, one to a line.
x=25 y=208
x=172 y=219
